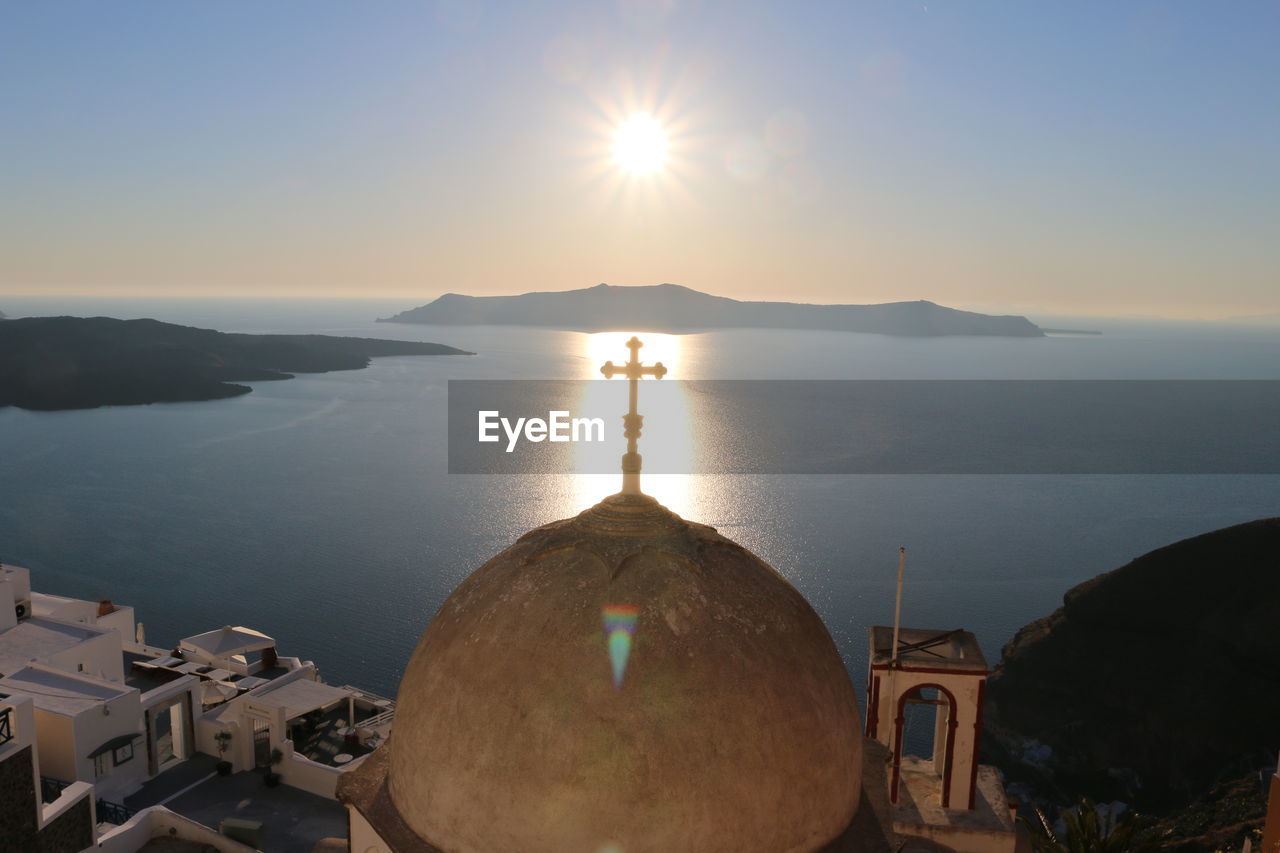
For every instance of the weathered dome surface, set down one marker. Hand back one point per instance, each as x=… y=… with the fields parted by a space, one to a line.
x=733 y=728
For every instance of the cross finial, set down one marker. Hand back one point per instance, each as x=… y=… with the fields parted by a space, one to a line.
x=633 y=370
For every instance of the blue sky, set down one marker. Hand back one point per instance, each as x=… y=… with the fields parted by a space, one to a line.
x=1077 y=157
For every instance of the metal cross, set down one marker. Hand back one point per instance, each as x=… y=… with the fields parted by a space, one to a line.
x=632 y=420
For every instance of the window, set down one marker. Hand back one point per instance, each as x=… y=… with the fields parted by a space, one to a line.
x=101 y=767
x=121 y=754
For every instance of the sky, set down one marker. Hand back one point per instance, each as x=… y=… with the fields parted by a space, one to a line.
x=1078 y=157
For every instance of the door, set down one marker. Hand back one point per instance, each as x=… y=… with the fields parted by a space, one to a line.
x=169 y=740
x=261 y=741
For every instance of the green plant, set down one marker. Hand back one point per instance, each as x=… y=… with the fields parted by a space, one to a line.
x=223 y=741
x=272 y=778
x=1086 y=829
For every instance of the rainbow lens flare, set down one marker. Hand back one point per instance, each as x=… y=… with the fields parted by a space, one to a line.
x=619 y=630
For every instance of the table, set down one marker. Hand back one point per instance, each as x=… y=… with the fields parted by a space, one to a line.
x=342 y=758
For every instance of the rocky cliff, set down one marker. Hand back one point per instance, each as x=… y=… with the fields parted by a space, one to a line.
x=1152 y=682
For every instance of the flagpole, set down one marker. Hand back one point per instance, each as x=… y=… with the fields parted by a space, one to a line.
x=897 y=608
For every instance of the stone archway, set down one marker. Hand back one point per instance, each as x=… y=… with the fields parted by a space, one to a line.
x=913 y=694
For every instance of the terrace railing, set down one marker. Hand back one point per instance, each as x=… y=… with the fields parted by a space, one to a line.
x=51 y=789
x=6 y=725
x=380 y=720
x=109 y=812
x=368 y=696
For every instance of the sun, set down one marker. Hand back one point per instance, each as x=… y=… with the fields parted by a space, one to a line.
x=640 y=145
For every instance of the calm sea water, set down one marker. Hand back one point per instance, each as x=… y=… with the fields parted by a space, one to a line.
x=320 y=510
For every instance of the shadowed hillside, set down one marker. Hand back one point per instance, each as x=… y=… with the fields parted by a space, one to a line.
x=1153 y=682
x=81 y=363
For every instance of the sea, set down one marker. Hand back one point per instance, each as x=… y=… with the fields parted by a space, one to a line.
x=320 y=510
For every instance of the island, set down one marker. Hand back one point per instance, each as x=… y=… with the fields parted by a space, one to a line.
x=1154 y=685
x=674 y=308
x=50 y=363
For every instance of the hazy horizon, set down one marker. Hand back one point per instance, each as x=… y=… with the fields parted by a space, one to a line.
x=88 y=300
x=1110 y=161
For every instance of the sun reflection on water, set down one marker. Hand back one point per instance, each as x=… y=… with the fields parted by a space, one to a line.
x=667 y=440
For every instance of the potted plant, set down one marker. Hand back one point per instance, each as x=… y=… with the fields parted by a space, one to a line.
x=271 y=778
x=223 y=739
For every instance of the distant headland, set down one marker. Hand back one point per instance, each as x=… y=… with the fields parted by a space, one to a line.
x=49 y=363
x=673 y=308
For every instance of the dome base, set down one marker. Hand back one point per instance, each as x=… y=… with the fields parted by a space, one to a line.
x=363 y=790
x=629 y=515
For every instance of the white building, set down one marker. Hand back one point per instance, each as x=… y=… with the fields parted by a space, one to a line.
x=72 y=658
x=68 y=646
x=103 y=614
x=88 y=729
x=105 y=712
x=64 y=825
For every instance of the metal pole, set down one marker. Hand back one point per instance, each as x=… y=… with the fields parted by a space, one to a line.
x=898 y=727
x=897 y=608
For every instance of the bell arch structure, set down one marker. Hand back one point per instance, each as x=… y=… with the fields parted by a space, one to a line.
x=950 y=663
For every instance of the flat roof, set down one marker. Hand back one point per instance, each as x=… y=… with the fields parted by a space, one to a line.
x=38 y=637
x=927 y=648
x=298 y=697
x=45 y=601
x=61 y=692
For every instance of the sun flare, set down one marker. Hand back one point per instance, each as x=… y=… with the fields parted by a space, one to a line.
x=640 y=145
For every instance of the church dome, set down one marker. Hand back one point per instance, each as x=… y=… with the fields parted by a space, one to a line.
x=623 y=681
